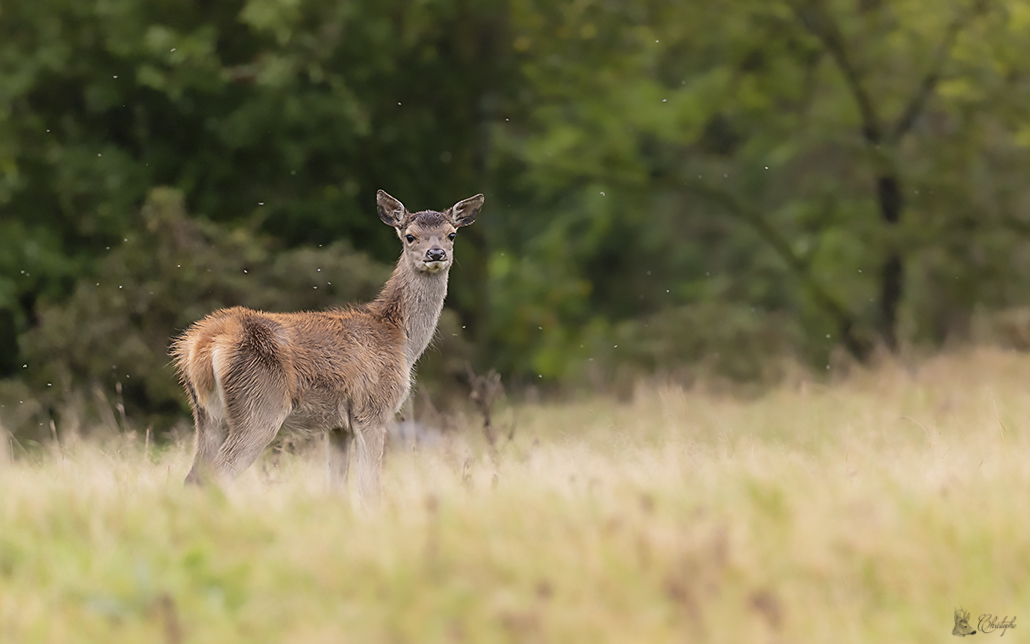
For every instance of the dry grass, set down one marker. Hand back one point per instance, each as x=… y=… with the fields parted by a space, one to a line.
x=868 y=510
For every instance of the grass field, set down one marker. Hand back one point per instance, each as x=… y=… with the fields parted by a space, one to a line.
x=867 y=510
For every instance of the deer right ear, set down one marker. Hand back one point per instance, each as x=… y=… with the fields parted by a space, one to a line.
x=392 y=212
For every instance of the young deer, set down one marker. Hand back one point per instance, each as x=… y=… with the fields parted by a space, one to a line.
x=341 y=371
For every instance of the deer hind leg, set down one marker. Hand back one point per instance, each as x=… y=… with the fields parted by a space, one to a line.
x=338 y=447
x=257 y=402
x=250 y=430
x=210 y=436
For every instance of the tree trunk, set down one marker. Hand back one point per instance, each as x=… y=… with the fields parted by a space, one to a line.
x=892 y=273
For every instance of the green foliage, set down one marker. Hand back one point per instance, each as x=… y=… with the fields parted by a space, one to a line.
x=821 y=172
x=722 y=155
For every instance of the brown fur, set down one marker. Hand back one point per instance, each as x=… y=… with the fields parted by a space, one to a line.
x=342 y=371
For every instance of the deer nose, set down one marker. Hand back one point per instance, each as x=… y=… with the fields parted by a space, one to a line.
x=436 y=254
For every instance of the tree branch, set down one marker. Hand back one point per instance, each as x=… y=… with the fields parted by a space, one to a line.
x=929 y=84
x=821 y=25
x=1015 y=225
x=799 y=266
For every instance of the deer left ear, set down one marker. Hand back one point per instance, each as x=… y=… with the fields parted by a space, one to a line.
x=464 y=212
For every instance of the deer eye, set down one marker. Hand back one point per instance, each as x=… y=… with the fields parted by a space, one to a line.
x=410 y=238
x=451 y=237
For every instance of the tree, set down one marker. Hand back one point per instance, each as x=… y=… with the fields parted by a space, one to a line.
x=829 y=129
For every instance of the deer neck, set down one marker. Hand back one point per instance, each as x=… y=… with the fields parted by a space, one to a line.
x=413 y=300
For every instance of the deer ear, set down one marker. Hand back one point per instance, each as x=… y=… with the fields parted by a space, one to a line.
x=464 y=212
x=392 y=212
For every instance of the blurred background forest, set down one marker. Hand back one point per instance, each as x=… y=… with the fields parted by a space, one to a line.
x=689 y=189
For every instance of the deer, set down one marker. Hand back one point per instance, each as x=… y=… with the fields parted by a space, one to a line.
x=342 y=372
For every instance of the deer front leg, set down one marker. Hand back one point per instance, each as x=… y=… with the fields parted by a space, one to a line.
x=371 y=439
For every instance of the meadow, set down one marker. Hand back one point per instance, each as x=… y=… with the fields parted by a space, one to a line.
x=865 y=508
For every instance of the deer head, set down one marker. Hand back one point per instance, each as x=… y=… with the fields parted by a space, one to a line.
x=428 y=236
